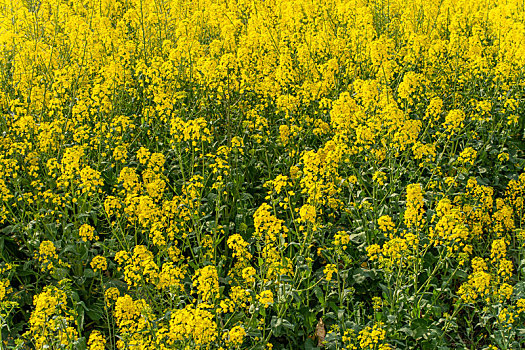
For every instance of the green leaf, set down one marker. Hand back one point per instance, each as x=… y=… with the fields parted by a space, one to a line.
x=419 y=327
x=310 y=345
x=320 y=295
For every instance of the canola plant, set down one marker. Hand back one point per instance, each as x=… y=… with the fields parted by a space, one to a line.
x=262 y=174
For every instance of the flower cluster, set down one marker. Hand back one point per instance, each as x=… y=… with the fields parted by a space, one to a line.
x=254 y=174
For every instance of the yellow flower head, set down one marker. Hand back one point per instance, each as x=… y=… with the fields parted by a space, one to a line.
x=265 y=298
x=87 y=233
x=235 y=336
x=99 y=263
x=307 y=213
x=96 y=341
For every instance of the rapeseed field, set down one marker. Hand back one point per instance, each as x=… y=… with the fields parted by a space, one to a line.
x=262 y=174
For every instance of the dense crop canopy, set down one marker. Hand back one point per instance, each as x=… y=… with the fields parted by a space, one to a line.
x=262 y=174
